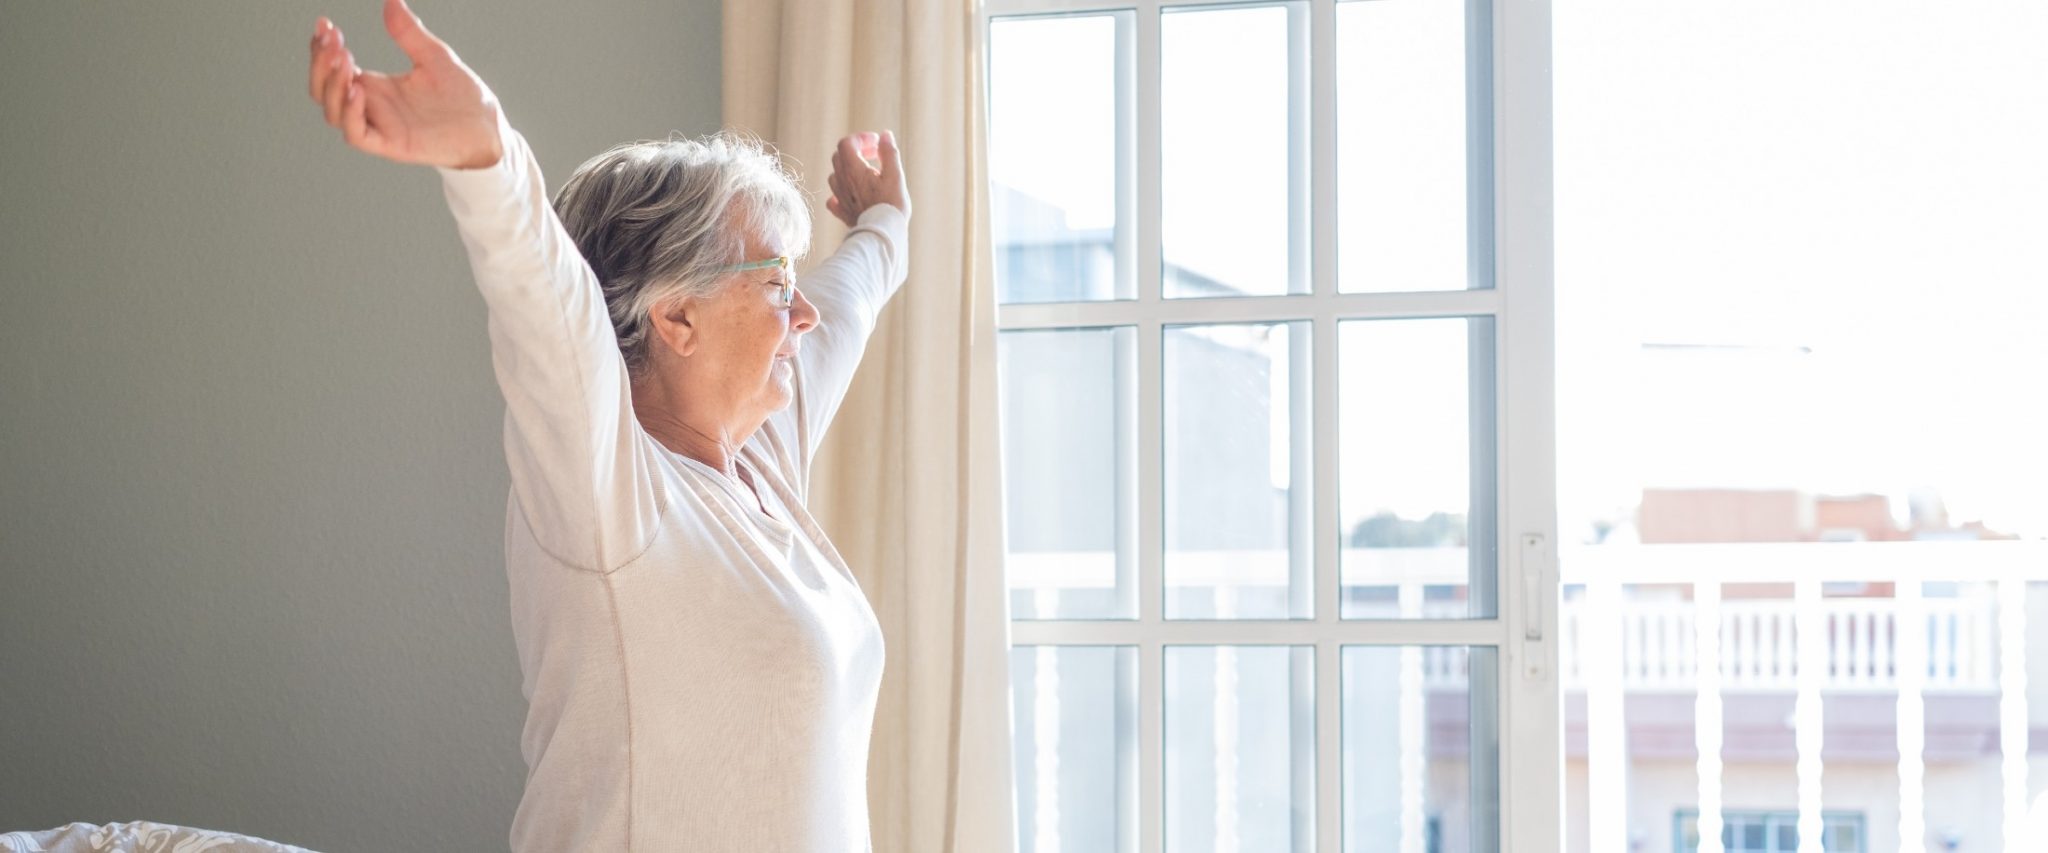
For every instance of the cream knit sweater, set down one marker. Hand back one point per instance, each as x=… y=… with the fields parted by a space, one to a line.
x=699 y=675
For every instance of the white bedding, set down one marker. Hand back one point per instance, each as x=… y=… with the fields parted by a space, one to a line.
x=137 y=837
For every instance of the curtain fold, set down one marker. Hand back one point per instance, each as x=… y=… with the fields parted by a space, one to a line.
x=907 y=482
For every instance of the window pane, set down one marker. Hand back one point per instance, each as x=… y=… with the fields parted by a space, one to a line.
x=1404 y=205
x=1421 y=748
x=1856 y=404
x=1053 y=151
x=1240 y=748
x=1075 y=716
x=1231 y=136
x=1417 y=449
x=1236 y=479
x=1067 y=428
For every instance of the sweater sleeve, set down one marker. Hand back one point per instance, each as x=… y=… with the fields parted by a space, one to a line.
x=580 y=467
x=850 y=289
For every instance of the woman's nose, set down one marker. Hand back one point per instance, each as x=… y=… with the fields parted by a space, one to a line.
x=803 y=316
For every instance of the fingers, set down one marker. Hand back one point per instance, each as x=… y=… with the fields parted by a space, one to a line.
x=321 y=30
x=841 y=192
x=356 y=127
x=340 y=75
x=846 y=158
x=355 y=124
x=867 y=169
x=327 y=46
x=892 y=159
x=411 y=35
x=857 y=149
x=330 y=71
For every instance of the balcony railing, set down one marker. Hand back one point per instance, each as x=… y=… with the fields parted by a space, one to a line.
x=1955 y=622
x=1698 y=622
x=1760 y=648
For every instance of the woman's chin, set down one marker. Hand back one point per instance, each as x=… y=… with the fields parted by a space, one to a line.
x=781 y=385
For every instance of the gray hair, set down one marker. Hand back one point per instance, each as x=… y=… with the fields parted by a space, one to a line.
x=658 y=221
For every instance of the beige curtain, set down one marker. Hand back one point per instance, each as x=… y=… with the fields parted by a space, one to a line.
x=907 y=480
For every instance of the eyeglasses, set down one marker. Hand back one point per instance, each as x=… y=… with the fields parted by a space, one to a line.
x=787 y=284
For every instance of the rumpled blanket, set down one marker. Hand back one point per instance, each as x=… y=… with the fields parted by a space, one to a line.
x=139 y=836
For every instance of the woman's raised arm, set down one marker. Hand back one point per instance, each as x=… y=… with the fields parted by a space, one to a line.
x=581 y=473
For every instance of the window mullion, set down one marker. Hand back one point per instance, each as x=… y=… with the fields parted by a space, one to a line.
x=1250 y=309
x=1259 y=632
x=1006 y=8
x=1151 y=745
x=1322 y=180
x=1147 y=155
x=1151 y=390
x=1151 y=464
x=1530 y=819
x=1323 y=149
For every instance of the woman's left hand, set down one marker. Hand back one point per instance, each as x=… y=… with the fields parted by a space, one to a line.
x=856 y=186
x=438 y=114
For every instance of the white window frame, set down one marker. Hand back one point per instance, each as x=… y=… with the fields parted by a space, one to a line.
x=1521 y=305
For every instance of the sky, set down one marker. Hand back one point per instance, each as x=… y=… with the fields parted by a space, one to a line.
x=1798 y=245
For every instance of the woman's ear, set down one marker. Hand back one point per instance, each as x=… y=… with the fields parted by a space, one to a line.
x=675 y=323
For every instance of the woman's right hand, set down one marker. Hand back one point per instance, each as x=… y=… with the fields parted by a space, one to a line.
x=857 y=185
x=438 y=114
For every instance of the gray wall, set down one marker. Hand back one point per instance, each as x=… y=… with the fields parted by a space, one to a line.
x=251 y=490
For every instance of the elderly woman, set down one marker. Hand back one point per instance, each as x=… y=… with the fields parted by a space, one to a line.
x=700 y=666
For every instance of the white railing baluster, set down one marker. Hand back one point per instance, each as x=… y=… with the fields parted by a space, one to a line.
x=1981 y=674
x=1223 y=730
x=1645 y=639
x=1836 y=643
x=1668 y=647
x=1859 y=646
x=1601 y=632
x=1781 y=625
x=1045 y=737
x=1631 y=648
x=1884 y=633
x=1730 y=621
x=1912 y=728
x=1985 y=620
x=1806 y=709
x=1414 y=733
x=1706 y=732
x=1651 y=625
x=1571 y=652
x=1664 y=619
x=1768 y=645
x=1645 y=631
x=1930 y=632
x=1731 y=635
x=1689 y=645
x=1945 y=648
x=2012 y=708
x=1746 y=652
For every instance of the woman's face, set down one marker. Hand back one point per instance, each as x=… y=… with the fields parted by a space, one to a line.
x=750 y=341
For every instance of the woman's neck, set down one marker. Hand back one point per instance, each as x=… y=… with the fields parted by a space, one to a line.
x=694 y=431
x=706 y=443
